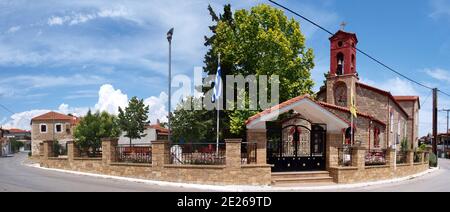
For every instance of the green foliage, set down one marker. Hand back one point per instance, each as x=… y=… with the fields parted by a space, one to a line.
x=422 y=147
x=260 y=41
x=93 y=127
x=192 y=125
x=404 y=145
x=433 y=160
x=15 y=145
x=132 y=121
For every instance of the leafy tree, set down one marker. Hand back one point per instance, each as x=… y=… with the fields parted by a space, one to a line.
x=93 y=127
x=15 y=145
x=262 y=41
x=192 y=125
x=133 y=120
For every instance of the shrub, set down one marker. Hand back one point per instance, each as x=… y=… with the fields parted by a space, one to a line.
x=433 y=160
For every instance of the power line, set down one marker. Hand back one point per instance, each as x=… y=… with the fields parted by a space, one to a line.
x=7 y=109
x=359 y=50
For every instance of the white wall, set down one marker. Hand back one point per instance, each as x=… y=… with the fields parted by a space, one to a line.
x=151 y=136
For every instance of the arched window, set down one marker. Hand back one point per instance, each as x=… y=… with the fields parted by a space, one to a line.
x=340 y=63
x=376 y=137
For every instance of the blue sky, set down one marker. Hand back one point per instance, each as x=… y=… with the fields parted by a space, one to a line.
x=74 y=55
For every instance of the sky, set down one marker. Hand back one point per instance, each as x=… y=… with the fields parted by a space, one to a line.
x=72 y=56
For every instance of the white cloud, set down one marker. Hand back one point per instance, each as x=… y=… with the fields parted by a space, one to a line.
x=80 y=18
x=110 y=99
x=440 y=8
x=13 y=29
x=439 y=74
x=157 y=107
x=46 y=81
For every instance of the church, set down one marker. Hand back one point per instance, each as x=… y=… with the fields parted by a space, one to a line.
x=306 y=133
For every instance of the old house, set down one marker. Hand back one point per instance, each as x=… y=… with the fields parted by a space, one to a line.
x=52 y=126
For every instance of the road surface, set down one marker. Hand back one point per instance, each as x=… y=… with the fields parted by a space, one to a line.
x=14 y=176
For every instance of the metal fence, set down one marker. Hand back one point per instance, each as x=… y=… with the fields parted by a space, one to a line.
x=417 y=157
x=197 y=154
x=248 y=153
x=135 y=153
x=401 y=157
x=345 y=156
x=375 y=157
x=59 y=149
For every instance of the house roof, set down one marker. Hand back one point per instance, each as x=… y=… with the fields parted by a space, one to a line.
x=385 y=93
x=53 y=116
x=344 y=109
x=18 y=131
x=304 y=105
x=159 y=129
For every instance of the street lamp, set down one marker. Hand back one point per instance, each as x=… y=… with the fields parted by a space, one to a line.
x=169 y=38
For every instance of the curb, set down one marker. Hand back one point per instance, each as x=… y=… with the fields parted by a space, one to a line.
x=237 y=188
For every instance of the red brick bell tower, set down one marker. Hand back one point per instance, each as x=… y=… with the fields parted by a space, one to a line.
x=343 y=54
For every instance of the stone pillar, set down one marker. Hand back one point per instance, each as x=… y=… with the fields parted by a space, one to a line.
x=260 y=138
x=410 y=157
x=422 y=156
x=358 y=157
x=233 y=153
x=160 y=153
x=48 y=149
x=71 y=151
x=109 y=150
x=390 y=157
x=332 y=149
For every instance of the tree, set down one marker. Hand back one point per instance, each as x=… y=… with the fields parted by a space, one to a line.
x=192 y=125
x=262 y=41
x=132 y=121
x=93 y=127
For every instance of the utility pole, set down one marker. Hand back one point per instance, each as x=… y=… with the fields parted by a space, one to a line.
x=169 y=38
x=435 y=120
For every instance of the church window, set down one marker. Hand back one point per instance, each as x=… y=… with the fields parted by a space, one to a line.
x=340 y=63
x=376 y=137
x=340 y=43
x=392 y=121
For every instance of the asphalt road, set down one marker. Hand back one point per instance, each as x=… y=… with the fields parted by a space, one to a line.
x=16 y=177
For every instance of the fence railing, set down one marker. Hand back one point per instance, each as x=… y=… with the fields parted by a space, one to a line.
x=197 y=154
x=401 y=157
x=375 y=157
x=90 y=153
x=135 y=153
x=59 y=150
x=417 y=157
x=248 y=153
x=345 y=156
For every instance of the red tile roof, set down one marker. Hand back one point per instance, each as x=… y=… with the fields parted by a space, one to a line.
x=18 y=131
x=159 y=129
x=406 y=98
x=277 y=107
x=50 y=116
x=385 y=93
x=344 y=109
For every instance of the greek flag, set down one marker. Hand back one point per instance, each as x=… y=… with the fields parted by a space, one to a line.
x=217 y=86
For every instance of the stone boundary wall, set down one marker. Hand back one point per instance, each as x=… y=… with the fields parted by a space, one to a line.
x=358 y=172
x=232 y=173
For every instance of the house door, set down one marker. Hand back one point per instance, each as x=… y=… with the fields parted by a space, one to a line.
x=296 y=147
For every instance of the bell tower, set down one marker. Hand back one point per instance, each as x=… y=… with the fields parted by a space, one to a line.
x=343 y=54
x=342 y=78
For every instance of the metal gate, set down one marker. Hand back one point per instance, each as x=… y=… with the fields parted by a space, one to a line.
x=304 y=150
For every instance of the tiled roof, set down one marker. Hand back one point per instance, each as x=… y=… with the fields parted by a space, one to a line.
x=406 y=98
x=50 y=116
x=348 y=110
x=277 y=107
x=18 y=131
x=159 y=129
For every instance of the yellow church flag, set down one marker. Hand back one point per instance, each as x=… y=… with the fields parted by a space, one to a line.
x=353 y=109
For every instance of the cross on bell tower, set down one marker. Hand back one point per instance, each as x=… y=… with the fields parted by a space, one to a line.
x=343 y=25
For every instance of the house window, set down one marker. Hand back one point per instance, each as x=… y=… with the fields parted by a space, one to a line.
x=43 y=128
x=58 y=128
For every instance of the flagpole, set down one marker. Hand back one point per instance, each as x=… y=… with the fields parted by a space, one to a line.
x=218 y=117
